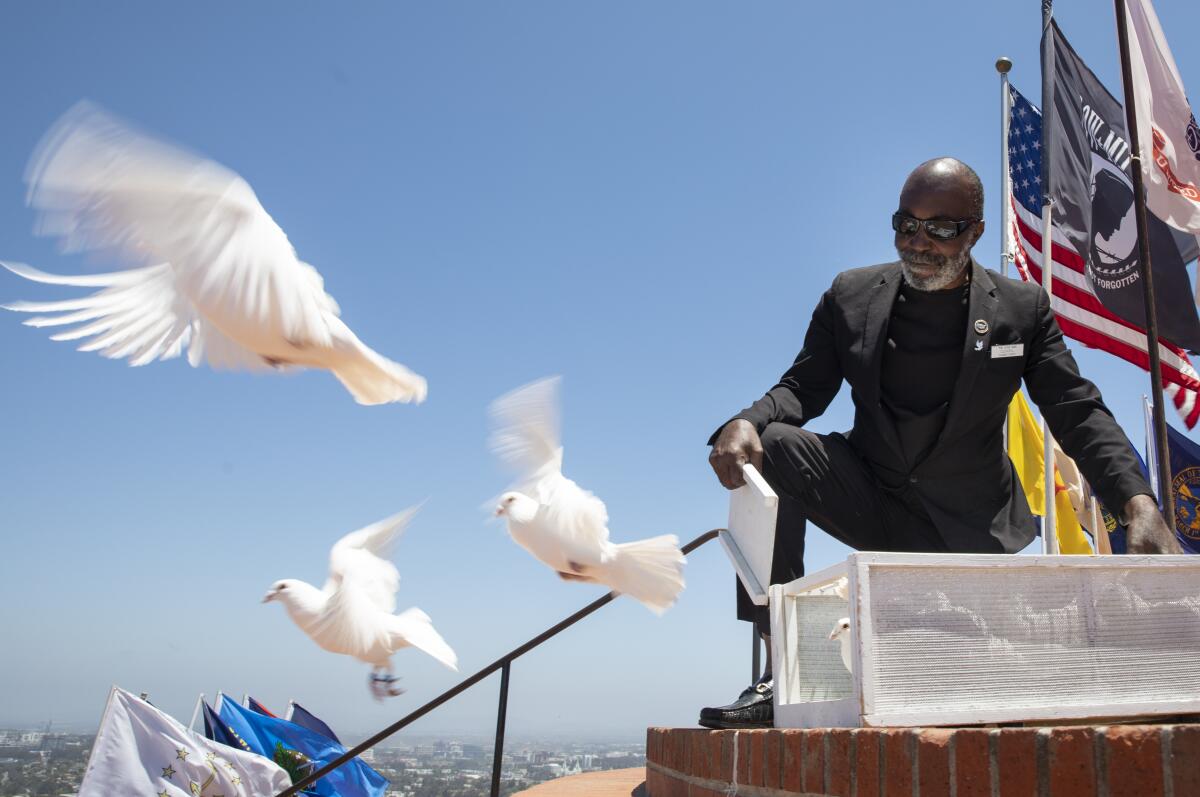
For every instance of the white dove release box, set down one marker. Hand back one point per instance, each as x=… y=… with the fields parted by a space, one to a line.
x=962 y=639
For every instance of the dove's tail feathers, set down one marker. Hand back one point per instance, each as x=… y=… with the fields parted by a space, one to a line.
x=650 y=571
x=138 y=315
x=373 y=379
x=413 y=627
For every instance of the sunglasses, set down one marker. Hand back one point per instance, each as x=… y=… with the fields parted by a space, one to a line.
x=937 y=229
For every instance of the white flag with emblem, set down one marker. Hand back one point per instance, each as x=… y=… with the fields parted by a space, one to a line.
x=1167 y=129
x=141 y=751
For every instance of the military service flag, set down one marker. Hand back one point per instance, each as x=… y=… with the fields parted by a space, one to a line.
x=1184 y=461
x=1167 y=131
x=1089 y=181
x=1184 y=458
x=140 y=750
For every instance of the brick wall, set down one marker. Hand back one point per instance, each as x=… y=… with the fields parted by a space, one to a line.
x=1077 y=761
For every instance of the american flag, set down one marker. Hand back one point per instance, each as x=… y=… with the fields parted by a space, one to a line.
x=1080 y=314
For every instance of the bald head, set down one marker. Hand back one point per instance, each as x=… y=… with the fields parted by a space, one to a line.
x=948 y=191
x=950 y=180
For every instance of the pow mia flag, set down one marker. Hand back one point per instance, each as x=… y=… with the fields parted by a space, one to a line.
x=1089 y=178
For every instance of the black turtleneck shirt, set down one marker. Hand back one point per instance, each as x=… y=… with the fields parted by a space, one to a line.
x=925 y=338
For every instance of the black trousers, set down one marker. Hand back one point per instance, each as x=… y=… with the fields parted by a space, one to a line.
x=822 y=478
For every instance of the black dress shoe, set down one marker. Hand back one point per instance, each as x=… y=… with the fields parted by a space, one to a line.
x=754 y=708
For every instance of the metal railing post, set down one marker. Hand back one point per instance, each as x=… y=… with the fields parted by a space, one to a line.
x=755 y=653
x=501 y=713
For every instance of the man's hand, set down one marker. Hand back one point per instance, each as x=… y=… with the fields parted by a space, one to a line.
x=1147 y=532
x=736 y=445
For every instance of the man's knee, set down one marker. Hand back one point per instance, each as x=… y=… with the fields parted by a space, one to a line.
x=790 y=449
x=793 y=460
x=774 y=438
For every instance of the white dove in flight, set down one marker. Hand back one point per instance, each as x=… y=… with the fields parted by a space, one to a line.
x=841 y=632
x=353 y=613
x=563 y=525
x=224 y=280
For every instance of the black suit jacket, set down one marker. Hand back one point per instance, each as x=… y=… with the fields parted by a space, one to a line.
x=967 y=482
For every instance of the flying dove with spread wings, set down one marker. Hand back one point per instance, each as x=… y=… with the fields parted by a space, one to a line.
x=214 y=272
x=353 y=614
x=560 y=523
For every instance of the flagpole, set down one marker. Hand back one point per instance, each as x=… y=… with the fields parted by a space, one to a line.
x=1151 y=447
x=1099 y=530
x=1165 y=502
x=1049 y=527
x=195 y=712
x=1003 y=65
x=1049 y=521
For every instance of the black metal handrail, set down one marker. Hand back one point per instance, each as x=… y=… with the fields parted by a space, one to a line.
x=503 y=664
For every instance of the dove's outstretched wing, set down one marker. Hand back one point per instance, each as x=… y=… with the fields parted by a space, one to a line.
x=137 y=315
x=100 y=184
x=526 y=428
x=360 y=561
x=361 y=591
x=413 y=627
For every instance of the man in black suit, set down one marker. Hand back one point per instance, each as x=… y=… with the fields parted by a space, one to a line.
x=933 y=347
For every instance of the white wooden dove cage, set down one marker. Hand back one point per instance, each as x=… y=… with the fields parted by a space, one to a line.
x=959 y=639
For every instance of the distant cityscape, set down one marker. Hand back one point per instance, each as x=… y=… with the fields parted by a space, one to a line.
x=49 y=764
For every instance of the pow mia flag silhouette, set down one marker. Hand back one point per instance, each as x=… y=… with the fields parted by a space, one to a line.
x=1089 y=179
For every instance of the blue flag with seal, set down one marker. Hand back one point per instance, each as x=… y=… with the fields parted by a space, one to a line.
x=301 y=751
x=1184 y=458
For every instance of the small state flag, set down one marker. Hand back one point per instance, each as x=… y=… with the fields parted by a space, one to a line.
x=254 y=705
x=1025 y=449
x=216 y=730
x=306 y=719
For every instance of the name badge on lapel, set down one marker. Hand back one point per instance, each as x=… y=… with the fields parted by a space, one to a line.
x=1008 y=350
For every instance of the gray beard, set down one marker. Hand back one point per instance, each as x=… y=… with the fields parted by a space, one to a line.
x=948 y=269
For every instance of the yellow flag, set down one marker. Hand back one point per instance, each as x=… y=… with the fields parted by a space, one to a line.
x=1025 y=447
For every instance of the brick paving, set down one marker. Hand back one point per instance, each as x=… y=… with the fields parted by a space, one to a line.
x=610 y=783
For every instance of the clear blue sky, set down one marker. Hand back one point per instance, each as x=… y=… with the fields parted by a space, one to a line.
x=647 y=198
